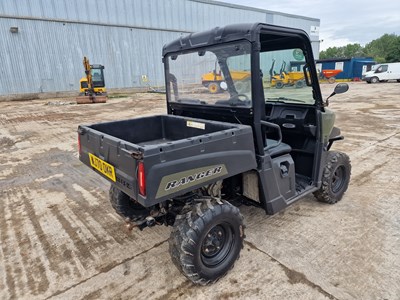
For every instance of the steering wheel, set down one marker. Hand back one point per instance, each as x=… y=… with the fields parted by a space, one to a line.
x=242 y=95
x=235 y=100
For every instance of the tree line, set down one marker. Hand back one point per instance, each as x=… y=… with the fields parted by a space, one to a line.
x=384 y=49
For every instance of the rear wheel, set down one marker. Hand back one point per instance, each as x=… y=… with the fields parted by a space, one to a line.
x=398 y=80
x=206 y=240
x=127 y=207
x=335 y=178
x=213 y=88
x=331 y=79
x=299 y=84
x=374 y=80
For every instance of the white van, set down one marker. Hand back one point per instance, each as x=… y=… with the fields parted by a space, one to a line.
x=383 y=73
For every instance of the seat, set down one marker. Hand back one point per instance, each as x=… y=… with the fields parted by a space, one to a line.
x=274 y=148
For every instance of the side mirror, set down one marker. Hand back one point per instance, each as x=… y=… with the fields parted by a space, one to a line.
x=340 y=88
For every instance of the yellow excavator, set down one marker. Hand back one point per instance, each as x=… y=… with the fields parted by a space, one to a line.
x=92 y=86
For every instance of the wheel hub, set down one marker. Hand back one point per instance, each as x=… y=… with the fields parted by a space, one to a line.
x=338 y=179
x=214 y=241
x=217 y=245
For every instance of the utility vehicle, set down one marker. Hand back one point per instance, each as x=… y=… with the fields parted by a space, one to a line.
x=383 y=73
x=191 y=168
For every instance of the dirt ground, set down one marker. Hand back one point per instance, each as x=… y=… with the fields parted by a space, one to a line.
x=61 y=239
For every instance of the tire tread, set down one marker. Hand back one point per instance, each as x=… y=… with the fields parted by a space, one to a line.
x=186 y=232
x=324 y=194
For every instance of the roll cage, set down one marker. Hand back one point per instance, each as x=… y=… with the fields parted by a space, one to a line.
x=262 y=37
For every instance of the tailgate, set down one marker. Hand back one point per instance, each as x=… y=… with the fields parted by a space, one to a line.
x=111 y=157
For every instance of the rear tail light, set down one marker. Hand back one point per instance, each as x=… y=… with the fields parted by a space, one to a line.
x=141 y=179
x=79 y=143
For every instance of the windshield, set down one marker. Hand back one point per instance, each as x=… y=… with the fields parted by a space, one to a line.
x=283 y=77
x=219 y=75
x=97 y=77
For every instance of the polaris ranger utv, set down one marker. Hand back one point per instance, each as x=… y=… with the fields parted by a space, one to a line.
x=192 y=167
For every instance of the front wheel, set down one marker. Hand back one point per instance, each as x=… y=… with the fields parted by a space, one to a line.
x=335 y=178
x=374 y=80
x=214 y=88
x=206 y=240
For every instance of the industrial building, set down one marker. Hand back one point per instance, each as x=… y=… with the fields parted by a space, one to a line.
x=44 y=41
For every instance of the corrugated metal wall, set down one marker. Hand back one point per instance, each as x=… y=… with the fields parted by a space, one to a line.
x=126 y=36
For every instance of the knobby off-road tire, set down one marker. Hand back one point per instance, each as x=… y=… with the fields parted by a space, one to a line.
x=335 y=178
x=206 y=240
x=125 y=206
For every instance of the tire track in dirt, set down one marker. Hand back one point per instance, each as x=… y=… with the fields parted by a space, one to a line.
x=25 y=267
x=85 y=254
x=46 y=244
x=5 y=249
x=106 y=269
x=373 y=159
x=30 y=265
x=77 y=213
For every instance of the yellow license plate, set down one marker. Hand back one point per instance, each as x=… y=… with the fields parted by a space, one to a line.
x=102 y=166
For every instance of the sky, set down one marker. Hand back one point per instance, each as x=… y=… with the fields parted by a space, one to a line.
x=342 y=22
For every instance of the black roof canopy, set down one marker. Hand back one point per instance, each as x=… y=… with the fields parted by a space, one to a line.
x=246 y=31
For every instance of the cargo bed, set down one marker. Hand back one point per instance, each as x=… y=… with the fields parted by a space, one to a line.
x=178 y=154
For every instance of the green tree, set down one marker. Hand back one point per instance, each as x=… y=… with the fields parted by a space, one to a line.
x=383 y=49
x=353 y=50
x=393 y=52
x=379 y=48
x=348 y=51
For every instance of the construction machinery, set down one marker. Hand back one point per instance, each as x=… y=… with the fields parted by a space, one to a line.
x=287 y=78
x=213 y=80
x=92 y=86
x=329 y=75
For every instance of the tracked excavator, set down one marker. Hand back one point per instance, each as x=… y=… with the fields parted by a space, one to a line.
x=92 y=86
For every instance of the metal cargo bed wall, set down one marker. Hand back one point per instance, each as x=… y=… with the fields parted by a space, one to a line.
x=126 y=36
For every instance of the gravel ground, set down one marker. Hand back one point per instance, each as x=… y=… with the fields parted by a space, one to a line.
x=59 y=237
